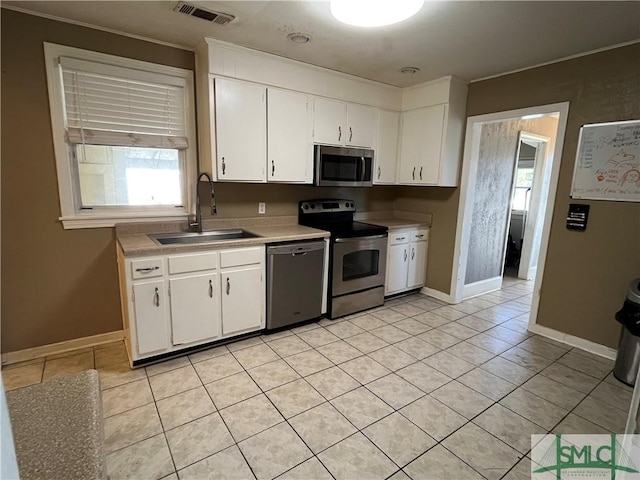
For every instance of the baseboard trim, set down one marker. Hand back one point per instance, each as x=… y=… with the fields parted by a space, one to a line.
x=445 y=297
x=480 y=288
x=60 y=347
x=588 y=345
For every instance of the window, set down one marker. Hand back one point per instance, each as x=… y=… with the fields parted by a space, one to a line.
x=522 y=191
x=123 y=136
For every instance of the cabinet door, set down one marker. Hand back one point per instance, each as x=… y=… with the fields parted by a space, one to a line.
x=361 y=125
x=150 y=308
x=195 y=308
x=242 y=299
x=290 y=137
x=397 y=265
x=329 y=120
x=386 y=153
x=420 y=145
x=241 y=130
x=417 y=264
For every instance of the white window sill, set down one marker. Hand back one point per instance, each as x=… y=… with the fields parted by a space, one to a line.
x=106 y=221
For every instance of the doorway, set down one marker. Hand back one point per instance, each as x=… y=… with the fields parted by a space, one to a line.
x=487 y=184
x=528 y=200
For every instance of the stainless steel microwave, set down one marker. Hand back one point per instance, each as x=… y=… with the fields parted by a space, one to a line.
x=343 y=166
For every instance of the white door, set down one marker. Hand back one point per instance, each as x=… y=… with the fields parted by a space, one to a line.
x=397 y=265
x=242 y=296
x=421 y=145
x=195 y=308
x=290 y=137
x=537 y=204
x=150 y=307
x=329 y=121
x=386 y=152
x=241 y=130
x=417 y=264
x=361 y=125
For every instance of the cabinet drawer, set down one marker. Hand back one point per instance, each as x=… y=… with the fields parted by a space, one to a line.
x=421 y=234
x=398 y=237
x=147 y=268
x=193 y=263
x=241 y=256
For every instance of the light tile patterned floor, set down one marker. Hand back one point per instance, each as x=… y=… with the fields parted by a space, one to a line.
x=416 y=389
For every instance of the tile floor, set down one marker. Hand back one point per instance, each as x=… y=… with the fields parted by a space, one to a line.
x=415 y=389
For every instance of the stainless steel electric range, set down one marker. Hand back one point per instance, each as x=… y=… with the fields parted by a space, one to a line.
x=357 y=257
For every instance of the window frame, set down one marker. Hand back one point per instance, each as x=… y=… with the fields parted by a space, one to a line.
x=72 y=216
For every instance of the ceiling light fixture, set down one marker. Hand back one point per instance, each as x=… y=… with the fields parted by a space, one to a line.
x=299 y=37
x=374 y=13
x=407 y=70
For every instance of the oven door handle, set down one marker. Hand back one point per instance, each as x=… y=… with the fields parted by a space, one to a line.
x=358 y=239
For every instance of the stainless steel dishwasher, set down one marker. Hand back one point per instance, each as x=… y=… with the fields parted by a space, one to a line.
x=294 y=282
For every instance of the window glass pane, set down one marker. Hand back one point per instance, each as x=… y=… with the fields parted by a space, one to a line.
x=524 y=177
x=519 y=198
x=112 y=176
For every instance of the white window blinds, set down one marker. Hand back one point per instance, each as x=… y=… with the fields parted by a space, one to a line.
x=109 y=105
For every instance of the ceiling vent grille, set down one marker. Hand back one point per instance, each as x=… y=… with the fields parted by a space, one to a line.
x=209 y=15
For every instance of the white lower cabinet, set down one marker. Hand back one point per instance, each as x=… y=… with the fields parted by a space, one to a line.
x=406 y=260
x=241 y=308
x=177 y=301
x=194 y=308
x=151 y=314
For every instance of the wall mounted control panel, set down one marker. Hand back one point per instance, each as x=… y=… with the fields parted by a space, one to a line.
x=577 y=217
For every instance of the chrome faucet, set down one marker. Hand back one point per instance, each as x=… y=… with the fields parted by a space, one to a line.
x=197 y=225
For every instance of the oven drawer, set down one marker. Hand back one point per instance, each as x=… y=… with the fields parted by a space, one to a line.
x=399 y=237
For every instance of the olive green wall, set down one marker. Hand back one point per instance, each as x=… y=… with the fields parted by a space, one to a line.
x=56 y=284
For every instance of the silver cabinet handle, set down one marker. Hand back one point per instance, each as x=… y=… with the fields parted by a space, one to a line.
x=228 y=286
x=210 y=289
x=339 y=133
x=400 y=238
x=420 y=173
x=405 y=255
x=414 y=173
x=413 y=253
x=147 y=270
x=224 y=167
x=273 y=168
x=350 y=133
x=420 y=236
x=379 y=172
x=156 y=298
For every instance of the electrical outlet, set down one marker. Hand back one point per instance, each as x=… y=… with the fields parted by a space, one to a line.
x=262 y=208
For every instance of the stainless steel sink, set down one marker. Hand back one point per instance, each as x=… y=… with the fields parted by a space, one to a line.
x=204 y=237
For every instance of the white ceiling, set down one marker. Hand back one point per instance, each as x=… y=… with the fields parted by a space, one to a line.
x=469 y=39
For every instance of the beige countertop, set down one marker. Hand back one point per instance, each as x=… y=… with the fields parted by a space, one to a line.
x=398 y=223
x=134 y=244
x=396 y=220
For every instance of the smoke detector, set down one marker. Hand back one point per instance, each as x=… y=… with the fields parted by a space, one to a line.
x=298 y=37
x=409 y=70
x=215 y=17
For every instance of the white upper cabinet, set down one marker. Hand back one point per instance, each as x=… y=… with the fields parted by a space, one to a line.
x=241 y=130
x=289 y=136
x=421 y=145
x=342 y=123
x=360 y=126
x=386 y=149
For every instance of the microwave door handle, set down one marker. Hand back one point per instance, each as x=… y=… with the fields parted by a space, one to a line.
x=364 y=168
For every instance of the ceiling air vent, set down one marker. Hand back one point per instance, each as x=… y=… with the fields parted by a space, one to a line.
x=211 y=16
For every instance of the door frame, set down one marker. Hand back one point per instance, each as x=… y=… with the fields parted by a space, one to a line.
x=526 y=270
x=467 y=189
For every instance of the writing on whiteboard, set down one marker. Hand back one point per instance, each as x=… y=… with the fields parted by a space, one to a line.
x=608 y=162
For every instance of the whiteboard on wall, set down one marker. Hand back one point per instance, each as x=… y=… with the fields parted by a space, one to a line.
x=608 y=162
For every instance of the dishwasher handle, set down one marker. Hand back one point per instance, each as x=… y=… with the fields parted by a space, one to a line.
x=295 y=249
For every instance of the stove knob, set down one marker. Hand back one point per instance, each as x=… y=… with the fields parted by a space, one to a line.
x=305 y=206
x=313 y=206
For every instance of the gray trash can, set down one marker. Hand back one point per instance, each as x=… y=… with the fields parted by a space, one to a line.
x=628 y=357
